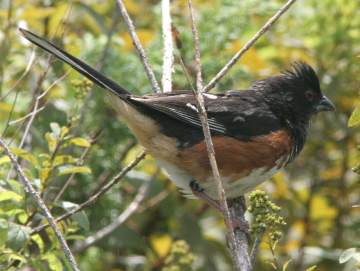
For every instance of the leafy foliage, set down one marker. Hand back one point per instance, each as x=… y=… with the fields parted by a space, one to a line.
x=74 y=143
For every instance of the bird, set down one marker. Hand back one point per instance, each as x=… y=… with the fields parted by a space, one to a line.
x=255 y=132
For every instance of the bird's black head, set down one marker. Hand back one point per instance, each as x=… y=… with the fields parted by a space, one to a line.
x=295 y=94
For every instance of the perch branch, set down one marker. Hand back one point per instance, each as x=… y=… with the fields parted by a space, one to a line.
x=168 y=57
x=36 y=196
x=95 y=196
x=238 y=250
x=248 y=45
x=144 y=60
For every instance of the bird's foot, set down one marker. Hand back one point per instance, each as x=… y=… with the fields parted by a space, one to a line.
x=235 y=223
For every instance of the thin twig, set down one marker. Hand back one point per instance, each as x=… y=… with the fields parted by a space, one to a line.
x=238 y=262
x=248 y=45
x=36 y=196
x=121 y=219
x=168 y=57
x=13 y=122
x=36 y=110
x=96 y=196
x=238 y=243
x=144 y=60
x=22 y=76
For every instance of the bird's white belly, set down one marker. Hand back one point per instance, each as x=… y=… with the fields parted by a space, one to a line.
x=232 y=188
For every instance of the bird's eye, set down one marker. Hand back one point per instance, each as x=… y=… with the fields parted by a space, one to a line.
x=310 y=96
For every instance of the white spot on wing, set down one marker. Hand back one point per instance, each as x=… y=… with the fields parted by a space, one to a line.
x=193 y=107
x=239 y=118
x=210 y=96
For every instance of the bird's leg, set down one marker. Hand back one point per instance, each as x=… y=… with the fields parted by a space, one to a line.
x=199 y=192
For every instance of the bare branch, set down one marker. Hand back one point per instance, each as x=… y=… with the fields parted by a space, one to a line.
x=97 y=195
x=149 y=72
x=168 y=57
x=248 y=45
x=36 y=196
x=121 y=219
x=239 y=255
x=241 y=248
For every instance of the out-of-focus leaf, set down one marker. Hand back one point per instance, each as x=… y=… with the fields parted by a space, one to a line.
x=55 y=128
x=17 y=236
x=3 y=231
x=348 y=254
x=311 y=268
x=9 y=195
x=36 y=12
x=286 y=265
x=4 y=159
x=53 y=262
x=161 y=244
x=79 y=141
x=51 y=140
x=64 y=131
x=67 y=205
x=39 y=242
x=354 y=119
x=82 y=219
x=320 y=208
x=5 y=107
x=25 y=155
x=44 y=173
x=63 y=159
x=63 y=170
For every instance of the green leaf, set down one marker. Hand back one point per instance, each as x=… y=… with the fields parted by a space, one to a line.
x=311 y=268
x=64 y=159
x=55 y=128
x=9 y=195
x=4 y=159
x=64 y=131
x=67 y=205
x=39 y=242
x=79 y=141
x=286 y=265
x=17 y=236
x=3 y=231
x=53 y=262
x=63 y=170
x=25 y=155
x=82 y=219
x=51 y=140
x=354 y=119
x=348 y=254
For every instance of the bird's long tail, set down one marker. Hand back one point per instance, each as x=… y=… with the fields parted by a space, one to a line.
x=77 y=64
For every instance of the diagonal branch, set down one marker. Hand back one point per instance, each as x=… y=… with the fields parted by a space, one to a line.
x=248 y=45
x=36 y=196
x=168 y=47
x=144 y=60
x=239 y=253
x=96 y=196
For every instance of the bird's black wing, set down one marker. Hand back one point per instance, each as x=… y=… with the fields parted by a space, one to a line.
x=237 y=114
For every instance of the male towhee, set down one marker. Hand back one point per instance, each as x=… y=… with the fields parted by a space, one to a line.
x=255 y=132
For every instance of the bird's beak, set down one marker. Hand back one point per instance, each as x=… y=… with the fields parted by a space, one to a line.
x=325 y=105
